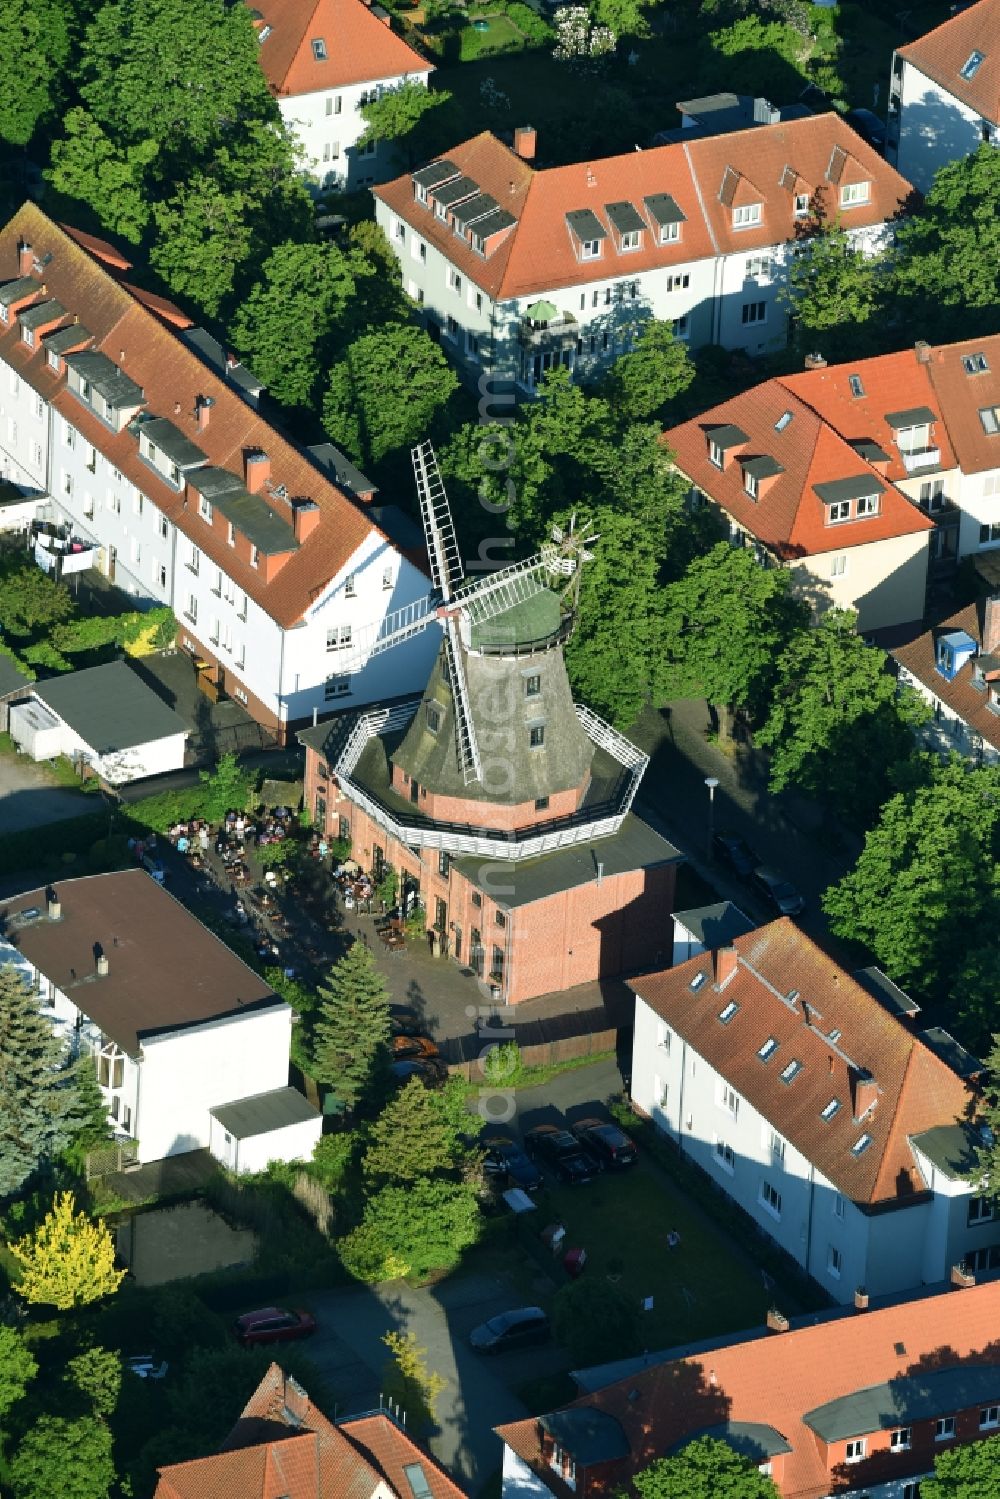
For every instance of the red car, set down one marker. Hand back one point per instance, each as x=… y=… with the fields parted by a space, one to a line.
x=273 y=1325
x=413 y=1046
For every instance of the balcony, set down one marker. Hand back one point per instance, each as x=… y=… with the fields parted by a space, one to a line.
x=918 y=458
x=545 y=327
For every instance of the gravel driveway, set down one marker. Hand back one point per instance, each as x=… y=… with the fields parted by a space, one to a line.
x=28 y=798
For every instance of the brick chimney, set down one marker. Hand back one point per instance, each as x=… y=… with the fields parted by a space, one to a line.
x=256 y=469
x=815 y=361
x=724 y=964
x=305 y=518
x=991 y=624
x=203 y=411
x=25 y=258
x=922 y=350
x=865 y=1091
x=525 y=142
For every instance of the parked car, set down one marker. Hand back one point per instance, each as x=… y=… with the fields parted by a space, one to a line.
x=413 y=1046
x=559 y=1150
x=273 y=1325
x=431 y=1071
x=526 y=1324
x=507 y=1163
x=778 y=892
x=735 y=851
x=869 y=127
x=406 y=1023
x=154 y=866
x=147 y=1366
x=609 y=1145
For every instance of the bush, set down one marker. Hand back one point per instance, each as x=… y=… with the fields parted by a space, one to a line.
x=595 y=1321
x=538 y=32
x=413 y=1230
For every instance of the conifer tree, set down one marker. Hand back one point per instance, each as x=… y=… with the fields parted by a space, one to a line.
x=352 y=1028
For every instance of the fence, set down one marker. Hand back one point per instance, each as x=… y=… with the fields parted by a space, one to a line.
x=465 y=1055
x=105 y=1159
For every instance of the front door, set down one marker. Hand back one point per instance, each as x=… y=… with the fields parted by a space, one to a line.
x=476 y=952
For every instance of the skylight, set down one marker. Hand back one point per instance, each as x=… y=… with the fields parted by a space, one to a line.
x=861 y=1145
x=783 y=421
x=727 y=1014
x=856 y=384
x=263 y=33
x=972 y=65
x=975 y=364
x=835 y=1036
x=791 y=1072
x=697 y=981
x=767 y=1051
x=319 y=49
x=417 y=1479
x=833 y=1107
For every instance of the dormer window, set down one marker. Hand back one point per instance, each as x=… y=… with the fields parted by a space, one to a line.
x=975 y=364
x=28 y=336
x=631 y=240
x=715 y=454
x=866 y=504
x=4 y=312
x=204 y=508
x=670 y=234
x=53 y=360
x=587 y=232
x=750 y=484
x=318 y=49
x=971 y=66
x=990 y=418
x=747 y=216
x=590 y=249
x=840 y=510
x=626 y=223
x=853 y=193
x=801 y=205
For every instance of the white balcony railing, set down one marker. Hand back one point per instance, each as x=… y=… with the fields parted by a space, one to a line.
x=921 y=458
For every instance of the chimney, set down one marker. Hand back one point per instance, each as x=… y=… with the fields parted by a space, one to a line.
x=25 y=258
x=53 y=904
x=102 y=964
x=724 y=963
x=525 y=142
x=815 y=361
x=305 y=518
x=203 y=411
x=256 y=470
x=922 y=349
x=991 y=624
x=865 y=1092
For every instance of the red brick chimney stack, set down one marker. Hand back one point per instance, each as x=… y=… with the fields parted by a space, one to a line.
x=256 y=470
x=526 y=142
x=25 y=258
x=991 y=624
x=725 y=962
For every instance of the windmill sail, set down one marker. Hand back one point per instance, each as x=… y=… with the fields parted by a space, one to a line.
x=439 y=528
x=465 y=734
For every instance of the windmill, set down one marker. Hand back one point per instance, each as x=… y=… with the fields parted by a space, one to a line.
x=461 y=604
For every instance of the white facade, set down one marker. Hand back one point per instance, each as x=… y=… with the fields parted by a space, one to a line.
x=929 y=126
x=294 y=1142
x=747 y=1156
x=24 y=433
x=38 y=731
x=327 y=126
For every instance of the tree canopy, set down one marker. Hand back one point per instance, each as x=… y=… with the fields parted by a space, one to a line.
x=407 y=115
x=971 y=1471
x=641 y=383
x=69 y=1260
x=419 y=1133
x=352 y=1028
x=387 y=392
x=834 y=290
x=704 y=1469
x=18 y=1367
x=37 y=38
x=948 y=255
x=595 y=1321
x=69 y=1458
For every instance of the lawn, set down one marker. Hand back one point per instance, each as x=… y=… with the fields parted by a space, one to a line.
x=501 y=35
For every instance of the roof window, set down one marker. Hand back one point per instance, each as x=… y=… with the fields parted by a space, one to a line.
x=263 y=34
x=860 y=1145
x=417 y=1479
x=975 y=364
x=990 y=418
x=783 y=421
x=833 y=1107
x=857 y=386
x=697 y=981
x=971 y=66
x=791 y=1072
x=727 y=1014
x=319 y=49
x=766 y=1052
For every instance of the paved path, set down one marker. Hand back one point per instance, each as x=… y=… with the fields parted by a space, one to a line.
x=29 y=799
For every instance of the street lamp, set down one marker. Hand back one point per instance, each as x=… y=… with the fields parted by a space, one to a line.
x=711 y=782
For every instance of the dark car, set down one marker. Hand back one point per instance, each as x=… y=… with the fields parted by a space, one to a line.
x=526 y=1324
x=506 y=1162
x=407 y=1023
x=778 y=892
x=562 y=1152
x=273 y=1325
x=413 y=1046
x=430 y=1070
x=869 y=127
x=609 y=1145
x=736 y=852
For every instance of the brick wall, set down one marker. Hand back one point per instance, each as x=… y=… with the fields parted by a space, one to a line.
x=489 y=814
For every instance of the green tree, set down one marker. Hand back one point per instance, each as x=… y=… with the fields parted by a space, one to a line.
x=40 y=1103
x=90 y=1124
x=69 y=1260
x=767 y=55
x=402 y=114
x=18 y=1368
x=834 y=288
x=413 y=1230
x=968 y=1472
x=97 y=1375
x=640 y=384
x=202 y=240
x=386 y=392
x=37 y=34
x=284 y=326
x=983 y=1171
x=704 y=1469
x=112 y=179
x=595 y=1321
x=408 y=1381
x=931 y=853
x=972 y=998
x=352 y=1026
x=30 y=600
x=226 y=788
x=418 y=1134
x=378 y=277
x=727 y=619
x=838 y=723
x=69 y=1458
x=948 y=255
x=624 y=17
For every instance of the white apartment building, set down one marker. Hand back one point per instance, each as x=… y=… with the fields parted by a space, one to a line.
x=153 y=462
x=519 y=270
x=832 y=1124
x=944 y=94
x=323 y=60
x=177 y=1024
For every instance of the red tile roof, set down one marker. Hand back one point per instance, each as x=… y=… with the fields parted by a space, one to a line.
x=173 y=378
x=789 y=518
x=915 y=1090
x=944 y=52
x=919 y=657
x=539 y=255
x=283 y=1447
x=962 y=396
x=359 y=47
x=775 y=1381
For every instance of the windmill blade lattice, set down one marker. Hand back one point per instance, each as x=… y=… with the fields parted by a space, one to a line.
x=466 y=743
x=439 y=528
